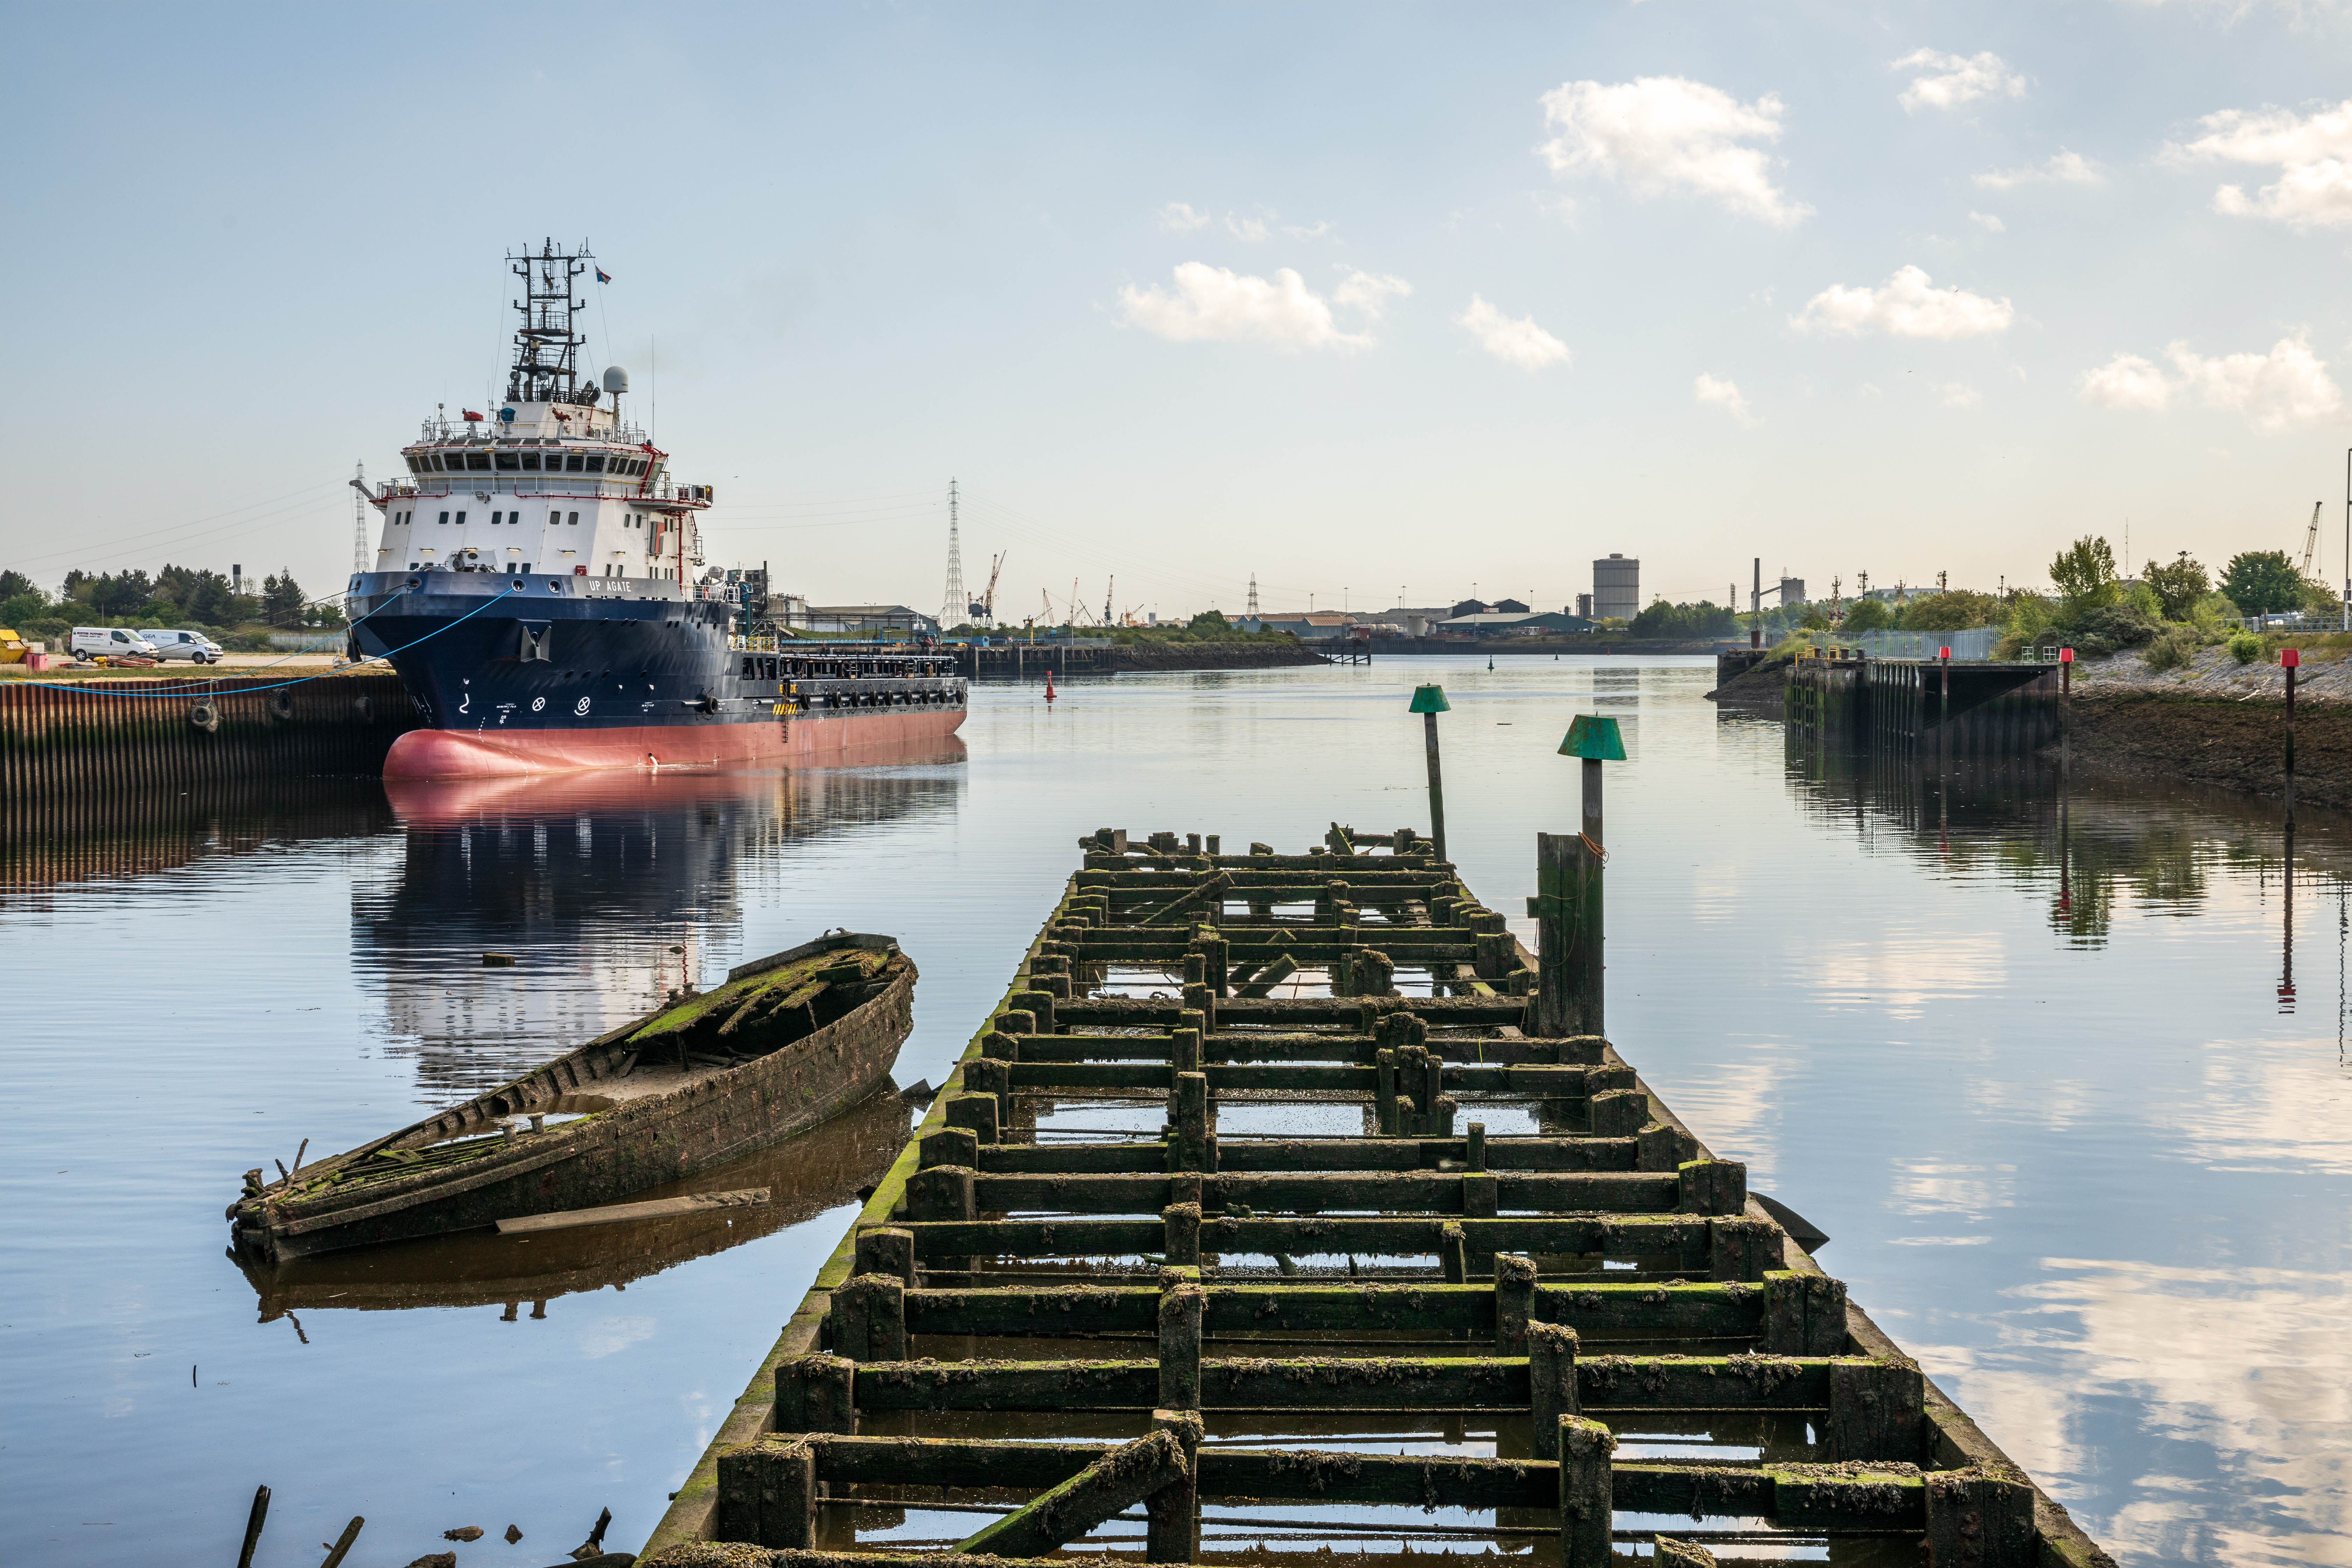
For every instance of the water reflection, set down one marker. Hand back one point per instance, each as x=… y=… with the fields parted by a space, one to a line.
x=806 y=1175
x=2084 y=846
x=58 y=844
x=608 y=890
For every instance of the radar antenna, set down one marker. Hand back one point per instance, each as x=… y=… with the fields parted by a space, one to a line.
x=546 y=349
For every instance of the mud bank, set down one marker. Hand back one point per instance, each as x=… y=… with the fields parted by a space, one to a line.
x=2233 y=743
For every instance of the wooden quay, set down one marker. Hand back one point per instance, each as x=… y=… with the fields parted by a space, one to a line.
x=1375 y=1268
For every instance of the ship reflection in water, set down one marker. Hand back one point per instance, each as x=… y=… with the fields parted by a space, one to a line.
x=608 y=890
x=806 y=1175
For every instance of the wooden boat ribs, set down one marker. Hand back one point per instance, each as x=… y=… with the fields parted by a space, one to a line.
x=1136 y=1337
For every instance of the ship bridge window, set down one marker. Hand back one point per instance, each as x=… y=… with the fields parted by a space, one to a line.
x=416 y=463
x=445 y=519
x=571 y=463
x=530 y=461
x=509 y=461
x=478 y=462
x=595 y=462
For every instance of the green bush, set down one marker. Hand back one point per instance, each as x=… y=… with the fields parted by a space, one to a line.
x=2245 y=648
x=1954 y=610
x=2175 y=647
x=2102 y=631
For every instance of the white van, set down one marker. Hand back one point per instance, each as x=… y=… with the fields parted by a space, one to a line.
x=185 y=644
x=114 y=642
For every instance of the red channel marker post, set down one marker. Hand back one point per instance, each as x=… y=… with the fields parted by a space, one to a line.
x=2290 y=658
x=2066 y=710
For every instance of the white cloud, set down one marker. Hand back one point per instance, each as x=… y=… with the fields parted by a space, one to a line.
x=1659 y=134
x=2312 y=155
x=2288 y=385
x=1520 y=342
x=1989 y=223
x=2126 y=380
x=1371 y=292
x=1961 y=395
x=1946 y=81
x=1724 y=395
x=1212 y=304
x=1180 y=217
x=2285 y=386
x=1317 y=231
x=2063 y=168
x=1907 y=307
x=1249 y=229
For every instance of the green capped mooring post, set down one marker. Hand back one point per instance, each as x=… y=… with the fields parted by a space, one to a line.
x=1429 y=701
x=1568 y=902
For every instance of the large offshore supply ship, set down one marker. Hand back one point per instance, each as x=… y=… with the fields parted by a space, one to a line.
x=536 y=586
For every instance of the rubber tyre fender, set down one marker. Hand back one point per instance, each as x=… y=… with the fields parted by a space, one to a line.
x=362 y=708
x=281 y=703
x=203 y=714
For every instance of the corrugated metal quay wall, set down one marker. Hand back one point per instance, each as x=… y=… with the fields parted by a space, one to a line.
x=98 y=742
x=1997 y=709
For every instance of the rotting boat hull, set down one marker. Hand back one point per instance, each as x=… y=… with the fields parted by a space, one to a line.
x=672 y=1132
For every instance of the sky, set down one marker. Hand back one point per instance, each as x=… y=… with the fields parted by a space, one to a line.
x=1378 y=304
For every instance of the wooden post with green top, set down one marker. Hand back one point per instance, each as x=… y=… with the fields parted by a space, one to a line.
x=1568 y=904
x=1429 y=701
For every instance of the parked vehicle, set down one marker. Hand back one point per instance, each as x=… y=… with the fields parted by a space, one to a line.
x=109 y=642
x=193 y=646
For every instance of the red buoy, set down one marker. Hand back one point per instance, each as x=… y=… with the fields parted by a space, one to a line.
x=1049 y=686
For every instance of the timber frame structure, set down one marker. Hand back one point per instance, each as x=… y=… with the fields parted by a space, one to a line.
x=1036 y=1335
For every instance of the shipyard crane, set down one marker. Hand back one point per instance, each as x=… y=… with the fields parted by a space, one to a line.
x=985 y=606
x=2311 y=538
x=1112 y=582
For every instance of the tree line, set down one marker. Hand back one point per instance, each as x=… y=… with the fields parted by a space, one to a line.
x=179 y=597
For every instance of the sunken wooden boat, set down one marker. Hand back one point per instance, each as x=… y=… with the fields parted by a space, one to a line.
x=788 y=1042
x=823 y=1168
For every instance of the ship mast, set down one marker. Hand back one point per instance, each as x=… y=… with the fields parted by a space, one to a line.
x=546 y=349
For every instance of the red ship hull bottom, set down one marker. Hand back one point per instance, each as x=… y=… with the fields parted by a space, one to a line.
x=833 y=741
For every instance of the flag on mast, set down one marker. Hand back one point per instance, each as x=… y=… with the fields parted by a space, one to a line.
x=602 y=276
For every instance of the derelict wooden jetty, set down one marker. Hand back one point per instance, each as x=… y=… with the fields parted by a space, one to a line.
x=1369 y=1244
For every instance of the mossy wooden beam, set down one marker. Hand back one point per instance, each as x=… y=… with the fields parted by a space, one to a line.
x=1838 y=1497
x=1349 y=1050
x=1532 y=1081
x=1689 y=1238
x=1315 y=1193
x=1101 y=871
x=1182 y=1381
x=1443 y=1012
x=1111 y=1484
x=1681 y=1310
x=1564 y=1156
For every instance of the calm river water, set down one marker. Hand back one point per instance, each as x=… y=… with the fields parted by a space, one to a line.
x=2064 y=1078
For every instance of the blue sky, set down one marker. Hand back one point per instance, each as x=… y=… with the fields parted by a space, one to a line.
x=1363 y=300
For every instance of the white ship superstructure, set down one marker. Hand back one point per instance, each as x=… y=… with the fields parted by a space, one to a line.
x=551 y=482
